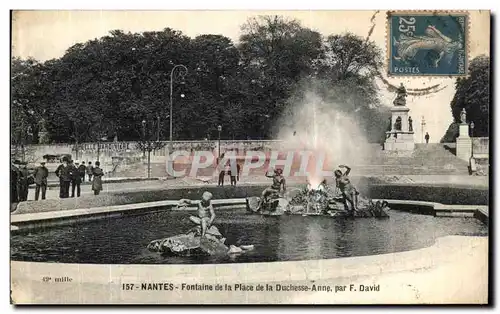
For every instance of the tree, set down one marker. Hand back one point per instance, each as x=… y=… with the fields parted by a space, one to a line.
x=148 y=142
x=276 y=53
x=108 y=85
x=348 y=55
x=473 y=94
x=28 y=99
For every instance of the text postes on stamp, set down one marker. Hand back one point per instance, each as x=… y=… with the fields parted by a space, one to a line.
x=427 y=43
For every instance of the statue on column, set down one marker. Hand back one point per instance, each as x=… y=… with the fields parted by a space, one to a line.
x=410 y=124
x=401 y=96
x=463 y=116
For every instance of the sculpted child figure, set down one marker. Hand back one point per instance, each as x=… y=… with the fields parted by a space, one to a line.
x=206 y=213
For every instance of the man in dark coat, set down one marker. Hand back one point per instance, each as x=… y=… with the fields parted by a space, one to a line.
x=97 y=173
x=90 y=169
x=64 y=174
x=41 y=173
x=238 y=171
x=76 y=179
x=82 y=169
x=22 y=186
x=14 y=178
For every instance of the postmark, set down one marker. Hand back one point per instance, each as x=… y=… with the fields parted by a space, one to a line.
x=427 y=43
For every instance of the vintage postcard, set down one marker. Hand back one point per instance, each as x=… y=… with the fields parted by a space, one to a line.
x=250 y=157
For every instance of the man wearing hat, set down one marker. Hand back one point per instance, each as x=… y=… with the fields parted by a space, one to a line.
x=22 y=182
x=76 y=178
x=64 y=174
x=41 y=173
x=14 y=178
x=82 y=170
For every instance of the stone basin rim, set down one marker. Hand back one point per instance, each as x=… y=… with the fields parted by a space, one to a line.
x=442 y=251
x=237 y=202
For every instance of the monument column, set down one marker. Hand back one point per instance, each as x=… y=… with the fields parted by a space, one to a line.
x=464 y=142
x=400 y=138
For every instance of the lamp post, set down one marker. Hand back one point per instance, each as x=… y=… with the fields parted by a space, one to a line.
x=219 y=128
x=147 y=143
x=182 y=73
x=157 y=128
x=472 y=139
x=144 y=136
x=423 y=125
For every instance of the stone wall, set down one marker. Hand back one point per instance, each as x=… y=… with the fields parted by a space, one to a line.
x=107 y=150
x=481 y=145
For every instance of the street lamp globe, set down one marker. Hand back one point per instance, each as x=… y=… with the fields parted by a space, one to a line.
x=182 y=95
x=219 y=127
x=472 y=125
x=143 y=122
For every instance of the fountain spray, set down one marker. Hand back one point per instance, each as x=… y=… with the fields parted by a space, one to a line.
x=321 y=127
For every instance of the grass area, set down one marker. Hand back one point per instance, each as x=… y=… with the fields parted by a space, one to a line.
x=137 y=196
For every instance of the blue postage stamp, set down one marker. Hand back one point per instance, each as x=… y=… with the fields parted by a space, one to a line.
x=427 y=43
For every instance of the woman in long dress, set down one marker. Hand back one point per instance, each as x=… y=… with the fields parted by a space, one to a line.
x=97 y=174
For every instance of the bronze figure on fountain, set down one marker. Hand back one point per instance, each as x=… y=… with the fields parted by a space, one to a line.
x=347 y=189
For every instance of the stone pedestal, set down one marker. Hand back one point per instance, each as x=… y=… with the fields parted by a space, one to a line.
x=400 y=139
x=464 y=142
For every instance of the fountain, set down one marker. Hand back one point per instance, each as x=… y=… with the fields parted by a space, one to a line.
x=320 y=201
x=320 y=129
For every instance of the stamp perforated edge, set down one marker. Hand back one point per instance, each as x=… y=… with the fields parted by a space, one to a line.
x=427 y=12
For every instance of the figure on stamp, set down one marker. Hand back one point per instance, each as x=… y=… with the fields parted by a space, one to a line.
x=408 y=46
x=401 y=96
x=410 y=124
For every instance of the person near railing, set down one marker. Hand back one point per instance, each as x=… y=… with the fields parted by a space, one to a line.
x=64 y=175
x=82 y=169
x=97 y=173
x=76 y=179
x=40 y=175
x=90 y=168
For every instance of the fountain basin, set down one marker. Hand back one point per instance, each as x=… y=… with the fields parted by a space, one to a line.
x=124 y=240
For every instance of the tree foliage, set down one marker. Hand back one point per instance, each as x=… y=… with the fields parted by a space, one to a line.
x=105 y=87
x=473 y=94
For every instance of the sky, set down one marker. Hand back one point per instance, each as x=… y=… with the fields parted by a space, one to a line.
x=45 y=35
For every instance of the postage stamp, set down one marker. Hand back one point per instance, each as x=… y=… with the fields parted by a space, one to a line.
x=427 y=43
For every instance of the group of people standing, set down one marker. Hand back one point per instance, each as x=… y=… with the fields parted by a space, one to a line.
x=233 y=176
x=73 y=174
x=19 y=181
x=70 y=174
